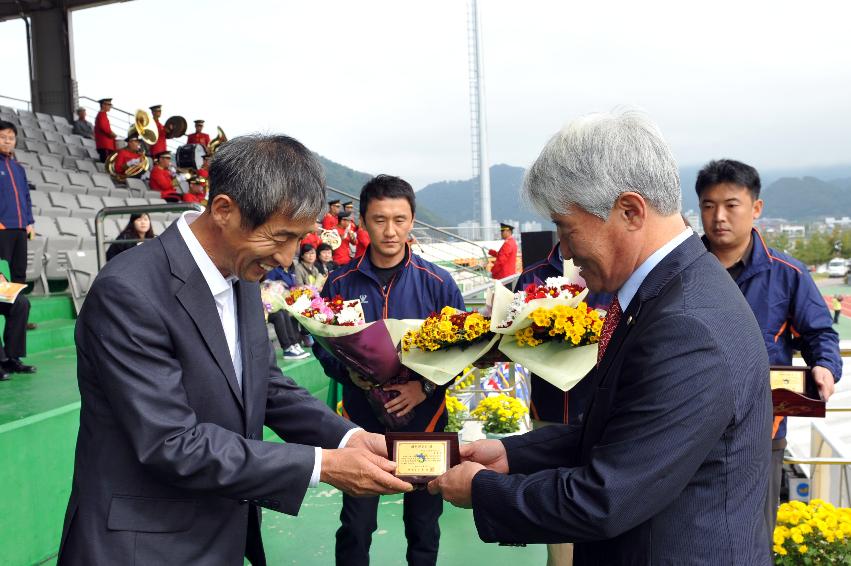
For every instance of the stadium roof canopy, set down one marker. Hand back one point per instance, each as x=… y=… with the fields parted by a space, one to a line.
x=11 y=9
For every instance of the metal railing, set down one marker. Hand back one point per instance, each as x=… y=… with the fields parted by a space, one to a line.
x=828 y=464
x=137 y=209
x=27 y=102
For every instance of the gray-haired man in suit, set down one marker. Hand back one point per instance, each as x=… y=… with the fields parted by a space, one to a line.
x=177 y=379
x=669 y=463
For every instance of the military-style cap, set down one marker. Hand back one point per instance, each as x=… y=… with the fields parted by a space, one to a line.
x=197 y=122
x=197 y=180
x=506 y=227
x=156 y=107
x=102 y=100
x=344 y=216
x=348 y=203
x=132 y=136
x=163 y=154
x=335 y=201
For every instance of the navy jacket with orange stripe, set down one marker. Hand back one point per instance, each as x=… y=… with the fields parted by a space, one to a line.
x=417 y=290
x=790 y=310
x=549 y=403
x=16 y=210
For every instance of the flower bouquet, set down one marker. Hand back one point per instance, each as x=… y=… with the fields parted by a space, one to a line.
x=548 y=328
x=456 y=414
x=368 y=350
x=500 y=414
x=445 y=343
x=814 y=533
x=273 y=296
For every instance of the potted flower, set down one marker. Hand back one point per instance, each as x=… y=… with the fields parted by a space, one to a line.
x=456 y=414
x=500 y=415
x=814 y=533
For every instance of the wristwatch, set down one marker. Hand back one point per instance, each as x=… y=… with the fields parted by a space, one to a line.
x=428 y=388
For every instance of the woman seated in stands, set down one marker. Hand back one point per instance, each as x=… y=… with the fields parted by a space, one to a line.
x=306 y=272
x=138 y=228
x=325 y=264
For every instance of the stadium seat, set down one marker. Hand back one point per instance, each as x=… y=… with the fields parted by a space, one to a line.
x=54 y=212
x=63 y=200
x=88 y=142
x=54 y=137
x=55 y=177
x=32 y=134
x=120 y=192
x=51 y=161
x=98 y=165
x=112 y=201
x=29 y=122
x=27 y=158
x=35 y=265
x=98 y=191
x=83 y=213
x=61 y=120
x=45 y=226
x=86 y=165
x=159 y=226
x=47 y=125
x=73 y=227
x=102 y=180
x=89 y=202
x=93 y=155
x=135 y=201
x=82 y=270
x=77 y=151
x=40 y=199
x=36 y=146
x=42 y=117
x=80 y=179
x=73 y=139
x=64 y=129
x=57 y=148
x=137 y=187
x=56 y=252
x=69 y=163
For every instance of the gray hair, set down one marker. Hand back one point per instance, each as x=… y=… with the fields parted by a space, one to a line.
x=268 y=174
x=596 y=158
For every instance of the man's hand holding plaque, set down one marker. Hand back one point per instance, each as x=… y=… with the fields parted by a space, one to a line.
x=456 y=485
x=422 y=456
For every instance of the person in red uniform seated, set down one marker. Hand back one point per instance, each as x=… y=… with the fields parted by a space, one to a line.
x=506 y=257
x=361 y=239
x=199 y=136
x=343 y=255
x=330 y=219
x=204 y=171
x=130 y=156
x=104 y=136
x=313 y=238
x=161 y=179
x=197 y=190
x=159 y=147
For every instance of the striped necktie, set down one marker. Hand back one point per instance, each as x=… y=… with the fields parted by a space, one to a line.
x=613 y=317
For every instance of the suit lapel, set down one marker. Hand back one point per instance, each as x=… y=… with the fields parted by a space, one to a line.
x=244 y=303
x=195 y=297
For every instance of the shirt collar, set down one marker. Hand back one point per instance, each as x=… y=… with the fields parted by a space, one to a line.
x=215 y=280
x=630 y=288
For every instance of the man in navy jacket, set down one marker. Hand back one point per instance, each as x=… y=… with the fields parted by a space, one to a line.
x=788 y=306
x=391 y=282
x=668 y=466
x=16 y=214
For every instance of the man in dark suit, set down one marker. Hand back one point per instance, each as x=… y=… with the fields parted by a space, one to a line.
x=668 y=464
x=177 y=379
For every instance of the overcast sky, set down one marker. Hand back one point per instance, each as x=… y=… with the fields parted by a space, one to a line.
x=382 y=86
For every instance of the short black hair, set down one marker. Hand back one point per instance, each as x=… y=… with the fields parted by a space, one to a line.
x=386 y=186
x=323 y=246
x=4 y=125
x=731 y=171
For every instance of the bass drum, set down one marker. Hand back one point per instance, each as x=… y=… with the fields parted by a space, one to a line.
x=190 y=156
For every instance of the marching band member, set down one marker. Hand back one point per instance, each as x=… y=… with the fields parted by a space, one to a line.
x=343 y=254
x=204 y=171
x=330 y=220
x=199 y=136
x=161 y=178
x=129 y=156
x=104 y=136
x=159 y=147
x=506 y=257
x=197 y=190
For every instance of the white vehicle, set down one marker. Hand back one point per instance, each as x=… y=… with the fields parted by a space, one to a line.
x=837 y=267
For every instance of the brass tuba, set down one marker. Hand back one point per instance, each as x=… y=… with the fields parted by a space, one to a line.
x=216 y=141
x=132 y=171
x=142 y=125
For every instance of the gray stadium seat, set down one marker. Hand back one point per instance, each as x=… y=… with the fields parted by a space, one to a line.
x=35 y=265
x=26 y=157
x=112 y=201
x=86 y=165
x=157 y=201
x=29 y=122
x=32 y=134
x=54 y=212
x=88 y=142
x=36 y=146
x=47 y=125
x=73 y=227
x=45 y=226
x=64 y=129
x=54 y=137
x=98 y=191
x=137 y=187
x=60 y=120
x=56 y=252
x=55 y=177
x=82 y=270
x=159 y=226
x=40 y=199
x=73 y=139
x=42 y=117
x=7 y=109
x=77 y=151
x=98 y=165
x=80 y=179
x=103 y=180
x=135 y=201
x=120 y=192
x=51 y=161
x=27 y=114
x=63 y=200
x=93 y=155
x=83 y=213
x=89 y=202
x=57 y=148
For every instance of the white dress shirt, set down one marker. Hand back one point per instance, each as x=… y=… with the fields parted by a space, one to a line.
x=630 y=288
x=222 y=289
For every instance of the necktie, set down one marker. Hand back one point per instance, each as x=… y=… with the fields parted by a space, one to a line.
x=613 y=317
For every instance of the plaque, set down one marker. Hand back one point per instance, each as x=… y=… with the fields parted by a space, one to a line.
x=422 y=456
x=794 y=392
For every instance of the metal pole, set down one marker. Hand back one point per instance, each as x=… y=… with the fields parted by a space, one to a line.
x=477 y=65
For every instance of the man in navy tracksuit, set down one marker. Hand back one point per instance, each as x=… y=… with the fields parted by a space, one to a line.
x=391 y=282
x=788 y=306
x=16 y=215
x=548 y=402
